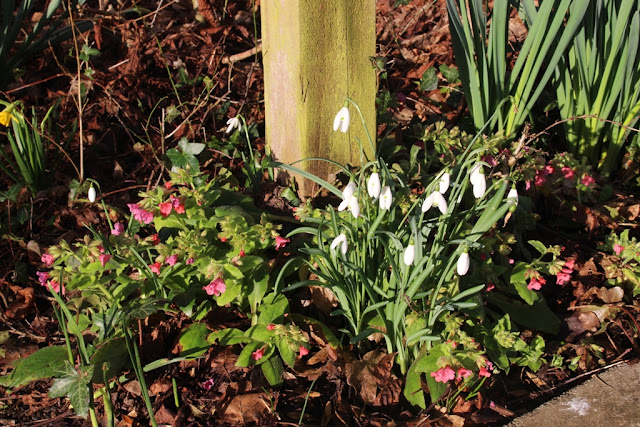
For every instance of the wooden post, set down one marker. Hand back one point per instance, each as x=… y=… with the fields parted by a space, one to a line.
x=316 y=53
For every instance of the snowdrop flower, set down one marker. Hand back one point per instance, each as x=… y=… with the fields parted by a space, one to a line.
x=354 y=207
x=409 y=254
x=443 y=183
x=512 y=196
x=91 y=194
x=386 y=198
x=233 y=123
x=463 y=263
x=435 y=199
x=342 y=120
x=476 y=177
x=373 y=185
x=479 y=188
x=342 y=241
x=476 y=173
x=349 y=200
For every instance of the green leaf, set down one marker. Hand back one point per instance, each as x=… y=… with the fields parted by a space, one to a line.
x=273 y=370
x=112 y=357
x=228 y=336
x=537 y=316
x=518 y=272
x=539 y=246
x=288 y=350
x=413 y=386
x=449 y=73
x=192 y=148
x=40 y=364
x=528 y=295
x=429 y=80
x=194 y=341
x=245 y=358
x=75 y=385
x=273 y=308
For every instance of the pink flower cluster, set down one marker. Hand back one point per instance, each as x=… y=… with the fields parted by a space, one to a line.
x=51 y=284
x=118 y=229
x=140 y=214
x=535 y=283
x=217 y=287
x=616 y=248
x=565 y=274
x=447 y=374
x=174 y=203
x=567 y=173
x=281 y=242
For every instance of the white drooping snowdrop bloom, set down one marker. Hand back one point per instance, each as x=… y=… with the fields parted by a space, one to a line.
x=435 y=199
x=233 y=123
x=91 y=194
x=342 y=241
x=463 y=263
x=409 y=254
x=349 y=200
x=512 y=196
x=373 y=185
x=443 y=182
x=478 y=181
x=342 y=120
x=386 y=198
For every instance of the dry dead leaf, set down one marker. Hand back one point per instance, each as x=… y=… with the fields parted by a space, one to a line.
x=160 y=386
x=244 y=409
x=22 y=304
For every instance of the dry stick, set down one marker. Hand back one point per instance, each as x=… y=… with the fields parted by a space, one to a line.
x=585 y=116
x=37 y=83
x=242 y=55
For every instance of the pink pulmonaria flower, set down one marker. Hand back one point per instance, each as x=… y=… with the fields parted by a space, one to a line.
x=241 y=254
x=527 y=185
x=536 y=283
x=271 y=327
x=177 y=204
x=189 y=261
x=484 y=373
x=216 y=287
x=303 y=351
x=155 y=267
x=43 y=276
x=257 y=355
x=118 y=229
x=165 y=208
x=548 y=170
x=443 y=375
x=172 y=259
x=208 y=384
x=565 y=274
x=567 y=172
x=104 y=258
x=53 y=284
x=47 y=259
x=490 y=286
x=168 y=185
x=490 y=160
x=588 y=180
x=616 y=248
x=140 y=214
x=540 y=179
x=463 y=373
x=155 y=239
x=281 y=242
